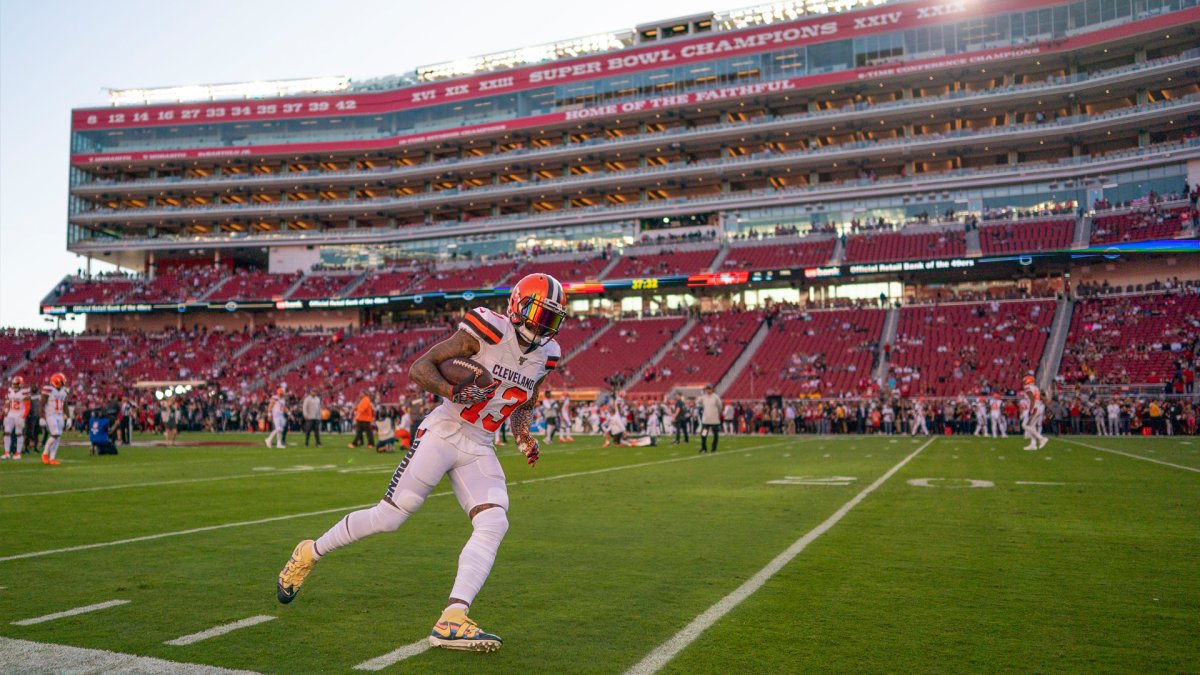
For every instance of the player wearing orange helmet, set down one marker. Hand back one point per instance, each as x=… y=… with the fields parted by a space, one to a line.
x=1033 y=414
x=54 y=405
x=277 y=409
x=517 y=348
x=16 y=407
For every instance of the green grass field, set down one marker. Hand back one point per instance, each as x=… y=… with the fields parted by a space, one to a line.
x=1071 y=559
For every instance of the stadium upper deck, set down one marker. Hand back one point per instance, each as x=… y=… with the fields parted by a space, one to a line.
x=935 y=106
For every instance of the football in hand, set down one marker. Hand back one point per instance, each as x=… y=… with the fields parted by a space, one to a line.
x=459 y=370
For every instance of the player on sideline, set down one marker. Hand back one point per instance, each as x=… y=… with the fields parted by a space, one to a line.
x=54 y=402
x=16 y=407
x=278 y=409
x=981 y=417
x=1035 y=412
x=918 y=418
x=998 y=430
x=518 y=348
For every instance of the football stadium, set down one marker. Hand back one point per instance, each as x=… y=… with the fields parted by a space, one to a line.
x=812 y=336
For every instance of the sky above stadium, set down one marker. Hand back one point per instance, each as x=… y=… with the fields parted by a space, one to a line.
x=55 y=56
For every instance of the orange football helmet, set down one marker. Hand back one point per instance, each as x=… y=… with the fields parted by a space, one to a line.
x=58 y=380
x=18 y=382
x=537 y=306
x=1028 y=380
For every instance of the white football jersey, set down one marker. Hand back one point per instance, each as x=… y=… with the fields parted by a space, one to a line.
x=17 y=403
x=56 y=401
x=517 y=373
x=277 y=406
x=994 y=405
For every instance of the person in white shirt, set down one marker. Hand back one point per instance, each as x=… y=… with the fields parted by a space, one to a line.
x=565 y=420
x=995 y=412
x=918 y=418
x=385 y=432
x=710 y=418
x=981 y=417
x=1114 y=418
x=727 y=417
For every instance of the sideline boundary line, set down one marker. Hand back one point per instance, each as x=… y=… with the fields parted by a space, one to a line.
x=1129 y=454
x=343 y=509
x=661 y=655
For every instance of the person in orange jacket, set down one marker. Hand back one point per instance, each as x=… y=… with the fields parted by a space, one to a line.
x=364 y=420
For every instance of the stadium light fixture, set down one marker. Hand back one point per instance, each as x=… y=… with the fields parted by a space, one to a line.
x=233 y=90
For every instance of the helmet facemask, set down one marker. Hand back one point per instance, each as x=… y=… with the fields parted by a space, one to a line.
x=537 y=320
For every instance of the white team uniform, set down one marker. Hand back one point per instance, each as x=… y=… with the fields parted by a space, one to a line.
x=918 y=418
x=56 y=404
x=278 y=413
x=981 y=418
x=1033 y=413
x=998 y=425
x=457 y=439
x=16 y=406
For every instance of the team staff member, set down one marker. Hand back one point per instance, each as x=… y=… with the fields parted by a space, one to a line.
x=681 y=419
x=364 y=420
x=311 y=409
x=710 y=418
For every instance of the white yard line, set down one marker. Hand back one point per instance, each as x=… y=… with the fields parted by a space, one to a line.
x=180 y=481
x=343 y=509
x=219 y=630
x=24 y=656
x=661 y=655
x=394 y=657
x=70 y=612
x=1129 y=454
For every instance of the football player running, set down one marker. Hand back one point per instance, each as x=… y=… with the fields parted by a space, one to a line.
x=1036 y=413
x=16 y=407
x=54 y=402
x=518 y=349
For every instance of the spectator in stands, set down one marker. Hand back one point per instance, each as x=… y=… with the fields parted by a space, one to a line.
x=364 y=419
x=311 y=409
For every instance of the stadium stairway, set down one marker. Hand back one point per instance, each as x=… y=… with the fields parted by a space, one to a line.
x=613 y=261
x=303 y=359
x=209 y=292
x=974 y=248
x=1055 y=343
x=295 y=284
x=586 y=344
x=722 y=254
x=886 y=337
x=743 y=359
x=33 y=354
x=839 y=252
x=662 y=351
x=1083 y=232
x=353 y=285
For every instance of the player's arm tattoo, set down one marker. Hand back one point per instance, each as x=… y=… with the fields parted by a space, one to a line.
x=424 y=371
x=522 y=417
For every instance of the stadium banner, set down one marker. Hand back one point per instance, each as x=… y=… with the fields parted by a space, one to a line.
x=887 y=18
x=616 y=109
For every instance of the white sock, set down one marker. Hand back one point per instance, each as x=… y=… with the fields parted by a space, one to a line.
x=51 y=447
x=383 y=517
x=455 y=605
x=475 y=562
x=20 y=443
